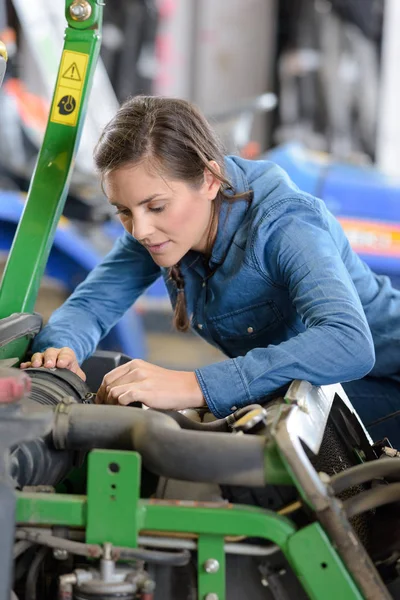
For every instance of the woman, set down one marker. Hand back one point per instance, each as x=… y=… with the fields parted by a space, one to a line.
x=258 y=268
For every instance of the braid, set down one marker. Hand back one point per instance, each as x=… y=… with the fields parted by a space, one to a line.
x=181 y=319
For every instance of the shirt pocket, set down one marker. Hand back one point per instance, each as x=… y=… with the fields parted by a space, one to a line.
x=248 y=323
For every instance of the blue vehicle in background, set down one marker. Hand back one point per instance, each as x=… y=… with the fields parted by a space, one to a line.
x=366 y=202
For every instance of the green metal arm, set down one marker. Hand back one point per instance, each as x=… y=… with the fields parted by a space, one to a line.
x=49 y=186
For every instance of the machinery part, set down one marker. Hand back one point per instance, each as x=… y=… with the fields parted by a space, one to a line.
x=378 y=496
x=252 y=421
x=384 y=467
x=19 y=325
x=175 y=559
x=15 y=426
x=222 y=425
x=295 y=426
x=107 y=582
x=80 y=10
x=37 y=462
x=211 y=565
x=33 y=574
x=51 y=386
x=166 y=449
x=229 y=547
x=50 y=181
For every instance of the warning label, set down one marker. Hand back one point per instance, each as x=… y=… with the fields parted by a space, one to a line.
x=72 y=73
x=69 y=88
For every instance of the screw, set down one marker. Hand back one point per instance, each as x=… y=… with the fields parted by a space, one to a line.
x=60 y=554
x=211 y=565
x=211 y=596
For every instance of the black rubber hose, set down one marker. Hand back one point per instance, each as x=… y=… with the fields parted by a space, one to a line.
x=378 y=496
x=33 y=575
x=221 y=425
x=385 y=467
x=165 y=448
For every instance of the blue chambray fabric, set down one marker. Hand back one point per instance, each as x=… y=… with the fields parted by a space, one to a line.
x=288 y=298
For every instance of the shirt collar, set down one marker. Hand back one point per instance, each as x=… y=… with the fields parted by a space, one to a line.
x=232 y=212
x=229 y=219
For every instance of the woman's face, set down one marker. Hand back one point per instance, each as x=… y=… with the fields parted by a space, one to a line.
x=167 y=216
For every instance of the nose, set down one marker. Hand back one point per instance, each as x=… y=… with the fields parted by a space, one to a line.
x=142 y=227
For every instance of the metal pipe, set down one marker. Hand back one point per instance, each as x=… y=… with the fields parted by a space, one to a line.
x=385 y=467
x=177 y=559
x=378 y=496
x=229 y=547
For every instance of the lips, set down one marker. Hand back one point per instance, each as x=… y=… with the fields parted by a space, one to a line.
x=157 y=248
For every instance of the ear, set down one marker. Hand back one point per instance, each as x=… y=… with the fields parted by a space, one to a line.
x=212 y=184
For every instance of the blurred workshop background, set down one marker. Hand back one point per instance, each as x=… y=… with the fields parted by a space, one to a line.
x=310 y=84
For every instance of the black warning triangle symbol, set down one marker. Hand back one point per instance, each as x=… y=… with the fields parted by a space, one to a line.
x=72 y=73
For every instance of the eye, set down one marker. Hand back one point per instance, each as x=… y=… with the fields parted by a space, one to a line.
x=157 y=209
x=123 y=211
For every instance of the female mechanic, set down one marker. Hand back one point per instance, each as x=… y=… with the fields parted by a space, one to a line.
x=255 y=266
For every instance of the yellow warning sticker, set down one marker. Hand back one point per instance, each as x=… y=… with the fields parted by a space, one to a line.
x=69 y=88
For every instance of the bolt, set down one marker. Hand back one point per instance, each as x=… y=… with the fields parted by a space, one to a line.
x=60 y=554
x=211 y=596
x=80 y=10
x=107 y=551
x=211 y=565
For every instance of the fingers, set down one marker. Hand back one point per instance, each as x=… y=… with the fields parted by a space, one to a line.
x=66 y=358
x=116 y=376
x=49 y=358
x=123 y=394
x=62 y=358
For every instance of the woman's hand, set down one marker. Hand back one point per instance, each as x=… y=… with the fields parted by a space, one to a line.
x=62 y=358
x=156 y=387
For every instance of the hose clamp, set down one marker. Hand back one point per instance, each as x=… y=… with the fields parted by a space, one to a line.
x=61 y=422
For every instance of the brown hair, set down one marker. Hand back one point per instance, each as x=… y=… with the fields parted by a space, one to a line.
x=174 y=135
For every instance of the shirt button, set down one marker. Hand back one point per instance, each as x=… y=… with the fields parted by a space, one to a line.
x=250 y=330
x=199 y=326
x=203 y=284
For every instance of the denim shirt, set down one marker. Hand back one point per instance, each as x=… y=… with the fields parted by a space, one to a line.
x=287 y=298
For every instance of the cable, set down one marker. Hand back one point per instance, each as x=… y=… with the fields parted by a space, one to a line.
x=177 y=559
x=33 y=575
x=365 y=501
x=366 y=472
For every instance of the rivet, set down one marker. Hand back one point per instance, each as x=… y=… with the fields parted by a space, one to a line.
x=250 y=330
x=199 y=326
x=233 y=407
x=211 y=565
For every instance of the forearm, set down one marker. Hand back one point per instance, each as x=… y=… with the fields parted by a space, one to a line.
x=70 y=327
x=321 y=355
